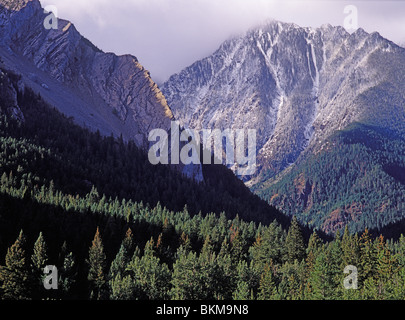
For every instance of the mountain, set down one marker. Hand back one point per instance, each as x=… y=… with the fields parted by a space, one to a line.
x=298 y=87
x=64 y=182
x=106 y=92
x=101 y=91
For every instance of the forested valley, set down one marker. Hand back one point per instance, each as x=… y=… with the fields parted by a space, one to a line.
x=118 y=228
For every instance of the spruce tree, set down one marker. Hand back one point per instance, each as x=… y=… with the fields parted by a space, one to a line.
x=151 y=277
x=319 y=279
x=294 y=242
x=67 y=273
x=128 y=242
x=242 y=290
x=267 y=289
x=368 y=257
x=185 y=276
x=314 y=243
x=97 y=264
x=38 y=261
x=122 y=288
x=119 y=263
x=15 y=275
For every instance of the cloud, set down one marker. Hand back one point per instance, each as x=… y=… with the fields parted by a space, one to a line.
x=168 y=35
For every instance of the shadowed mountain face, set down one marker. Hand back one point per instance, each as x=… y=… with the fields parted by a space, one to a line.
x=113 y=94
x=299 y=87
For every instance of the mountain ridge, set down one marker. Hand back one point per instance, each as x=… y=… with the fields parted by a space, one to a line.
x=297 y=87
x=104 y=82
x=209 y=94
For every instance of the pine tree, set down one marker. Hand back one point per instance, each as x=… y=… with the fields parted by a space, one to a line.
x=242 y=291
x=367 y=257
x=318 y=279
x=314 y=243
x=209 y=271
x=185 y=242
x=387 y=269
x=227 y=272
x=38 y=261
x=67 y=273
x=309 y=269
x=15 y=275
x=151 y=277
x=97 y=264
x=128 y=242
x=122 y=288
x=350 y=249
x=267 y=288
x=238 y=244
x=294 y=242
x=335 y=273
x=186 y=276
x=119 y=264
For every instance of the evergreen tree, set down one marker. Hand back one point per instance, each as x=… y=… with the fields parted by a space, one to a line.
x=267 y=289
x=38 y=260
x=387 y=269
x=294 y=242
x=319 y=280
x=128 y=242
x=122 y=288
x=119 y=264
x=15 y=275
x=242 y=291
x=186 y=276
x=350 y=248
x=67 y=273
x=151 y=277
x=367 y=258
x=314 y=243
x=335 y=273
x=226 y=277
x=97 y=264
x=209 y=271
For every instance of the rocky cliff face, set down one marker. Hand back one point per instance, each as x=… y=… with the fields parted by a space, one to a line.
x=112 y=86
x=295 y=86
x=102 y=91
x=9 y=100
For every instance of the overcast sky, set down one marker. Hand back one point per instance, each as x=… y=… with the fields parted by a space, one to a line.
x=168 y=35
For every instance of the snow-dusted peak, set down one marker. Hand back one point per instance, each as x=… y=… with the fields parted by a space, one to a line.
x=295 y=86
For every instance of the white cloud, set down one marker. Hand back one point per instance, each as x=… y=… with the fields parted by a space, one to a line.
x=168 y=35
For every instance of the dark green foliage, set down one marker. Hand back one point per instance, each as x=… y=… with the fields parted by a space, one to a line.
x=97 y=266
x=38 y=262
x=60 y=184
x=14 y=275
x=356 y=179
x=294 y=243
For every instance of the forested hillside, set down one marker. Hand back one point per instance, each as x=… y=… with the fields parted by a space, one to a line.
x=117 y=227
x=357 y=178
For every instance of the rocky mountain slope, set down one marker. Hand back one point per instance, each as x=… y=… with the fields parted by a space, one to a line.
x=296 y=86
x=101 y=91
x=106 y=92
x=299 y=87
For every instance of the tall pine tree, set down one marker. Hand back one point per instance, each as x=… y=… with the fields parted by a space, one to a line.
x=294 y=242
x=97 y=265
x=15 y=275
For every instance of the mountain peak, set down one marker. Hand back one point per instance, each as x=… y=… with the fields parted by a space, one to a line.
x=105 y=92
x=296 y=85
